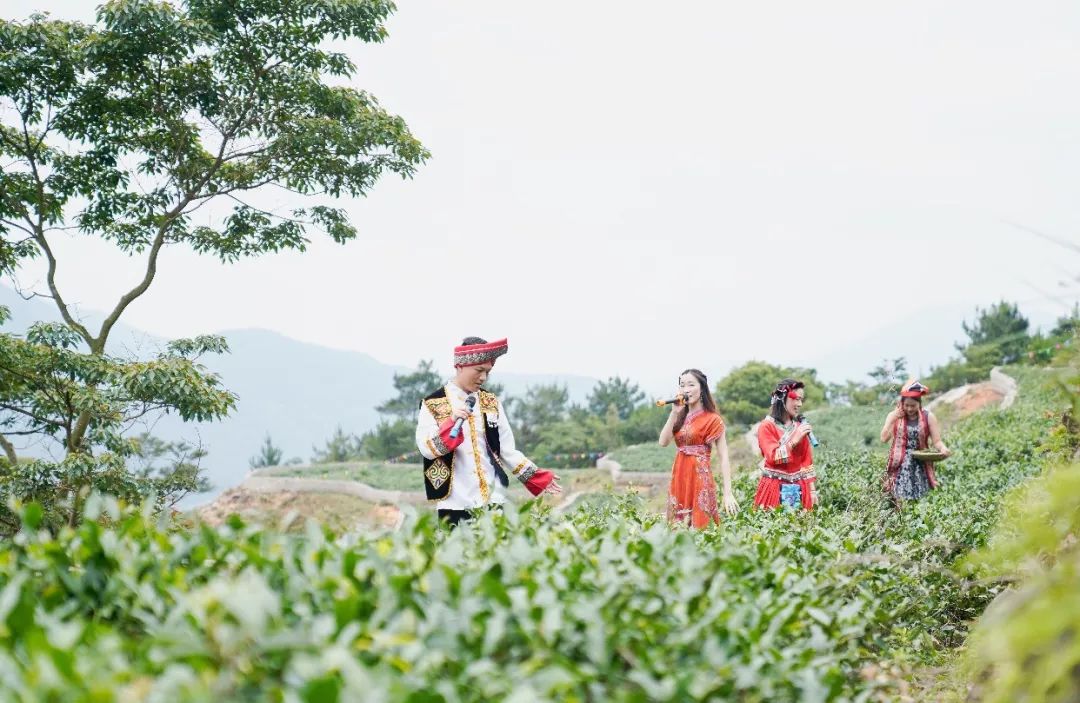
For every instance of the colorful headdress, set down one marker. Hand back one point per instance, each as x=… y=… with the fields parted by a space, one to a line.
x=914 y=389
x=787 y=390
x=475 y=354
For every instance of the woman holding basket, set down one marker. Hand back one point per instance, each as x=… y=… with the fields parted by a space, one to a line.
x=912 y=431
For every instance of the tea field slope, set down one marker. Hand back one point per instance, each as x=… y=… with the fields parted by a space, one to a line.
x=602 y=604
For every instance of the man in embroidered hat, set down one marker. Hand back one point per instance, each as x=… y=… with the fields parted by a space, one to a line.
x=470 y=469
x=911 y=428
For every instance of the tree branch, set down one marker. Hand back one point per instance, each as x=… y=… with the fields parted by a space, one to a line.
x=50 y=278
x=16 y=225
x=33 y=294
x=233 y=156
x=294 y=191
x=41 y=388
x=268 y=213
x=24 y=433
x=147 y=409
x=159 y=240
x=97 y=346
x=16 y=409
x=39 y=236
x=248 y=186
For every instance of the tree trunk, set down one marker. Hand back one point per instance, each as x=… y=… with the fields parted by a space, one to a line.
x=9 y=450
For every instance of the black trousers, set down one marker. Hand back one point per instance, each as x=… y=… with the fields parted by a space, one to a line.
x=453 y=517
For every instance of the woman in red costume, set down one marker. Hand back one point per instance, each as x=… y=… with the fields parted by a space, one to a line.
x=787 y=472
x=697 y=430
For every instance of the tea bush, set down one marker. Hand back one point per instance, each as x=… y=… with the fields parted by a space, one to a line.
x=607 y=603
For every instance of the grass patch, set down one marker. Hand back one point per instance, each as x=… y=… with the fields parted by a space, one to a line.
x=390 y=477
x=644 y=457
x=409 y=477
x=853 y=428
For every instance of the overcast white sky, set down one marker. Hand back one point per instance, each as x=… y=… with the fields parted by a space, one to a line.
x=621 y=189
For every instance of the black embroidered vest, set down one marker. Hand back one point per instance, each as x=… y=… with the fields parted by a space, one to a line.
x=439 y=472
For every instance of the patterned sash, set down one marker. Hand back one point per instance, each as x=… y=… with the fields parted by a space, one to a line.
x=694 y=450
x=789 y=477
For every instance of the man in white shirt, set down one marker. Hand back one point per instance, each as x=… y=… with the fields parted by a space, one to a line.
x=468 y=469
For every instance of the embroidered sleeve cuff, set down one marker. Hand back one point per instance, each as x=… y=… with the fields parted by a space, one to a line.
x=782 y=455
x=442 y=444
x=436 y=447
x=539 y=480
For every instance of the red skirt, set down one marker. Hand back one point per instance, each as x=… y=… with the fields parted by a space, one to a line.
x=768 y=490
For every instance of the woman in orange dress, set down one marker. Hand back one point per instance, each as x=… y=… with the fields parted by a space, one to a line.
x=697 y=430
x=784 y=438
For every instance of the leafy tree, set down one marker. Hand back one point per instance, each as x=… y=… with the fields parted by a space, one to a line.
x=541 y=406
x=555 y=428
x=83 y=404
x=955 y=373
x=845 y=393
x=389 y=439
x=643 y=425
x=1067 y=325
x=999 y=335
x=890 y=372
x=395 y=433
x=269 y=455
x=1001 y=325
x=615 y=392
x=887 y=379
x=177 y=476
x=411 y=389
x=744 y=395
x=123 y=129
x=413 y=386
x=1044 y=349
x=339 y=448
x=564 y=439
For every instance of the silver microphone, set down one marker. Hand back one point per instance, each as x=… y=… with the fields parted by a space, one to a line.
x=470 y=403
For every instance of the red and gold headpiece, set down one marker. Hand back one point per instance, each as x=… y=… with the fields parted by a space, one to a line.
x=475 y=354
x=914 y=389
x=788 y=390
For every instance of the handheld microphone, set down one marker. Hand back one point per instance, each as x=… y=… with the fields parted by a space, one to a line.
x=813 y=439
x=677 y=400
x=470 y=403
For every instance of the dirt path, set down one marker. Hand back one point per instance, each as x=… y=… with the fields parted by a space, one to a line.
x=290 y=510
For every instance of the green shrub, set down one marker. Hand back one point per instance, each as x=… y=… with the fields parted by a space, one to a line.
x=850 y=428
x=607 y=603
x=649 y=456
